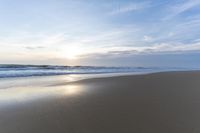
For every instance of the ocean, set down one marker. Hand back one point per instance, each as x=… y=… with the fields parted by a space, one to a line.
x=11 y=71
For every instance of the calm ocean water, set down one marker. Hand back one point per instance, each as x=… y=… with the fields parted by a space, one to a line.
x=9 y=71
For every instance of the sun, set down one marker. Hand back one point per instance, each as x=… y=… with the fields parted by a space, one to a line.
x=72 y=52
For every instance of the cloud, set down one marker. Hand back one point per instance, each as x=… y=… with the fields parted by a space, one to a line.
x=181 y=8
x=54 y=39
x=34 y=48
x=130 y=7
x=185 y=31
x=170 y=47
x=154 y=49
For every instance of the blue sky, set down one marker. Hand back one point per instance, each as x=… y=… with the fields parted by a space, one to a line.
x=100 y=32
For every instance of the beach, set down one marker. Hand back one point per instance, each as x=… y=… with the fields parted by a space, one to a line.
x=164 y=102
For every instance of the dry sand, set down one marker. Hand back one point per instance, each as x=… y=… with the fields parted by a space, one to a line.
x=166 y=102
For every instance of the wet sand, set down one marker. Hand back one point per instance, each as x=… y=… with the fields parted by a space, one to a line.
x=167 y=102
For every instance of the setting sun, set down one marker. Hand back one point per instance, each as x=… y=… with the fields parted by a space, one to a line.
x=72 y=52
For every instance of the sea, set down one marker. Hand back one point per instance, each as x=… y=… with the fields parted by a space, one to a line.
x=14 y=71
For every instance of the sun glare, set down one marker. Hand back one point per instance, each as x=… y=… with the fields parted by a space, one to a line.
x=71 y=52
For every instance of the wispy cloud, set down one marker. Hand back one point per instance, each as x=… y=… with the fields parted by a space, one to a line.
x=34 y=48
x=154 y=49
x=130 y=7
x=181 y=8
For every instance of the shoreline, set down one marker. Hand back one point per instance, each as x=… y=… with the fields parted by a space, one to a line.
x=54 y=80
x=127 y=75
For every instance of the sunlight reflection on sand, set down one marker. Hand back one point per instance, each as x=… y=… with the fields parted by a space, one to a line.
x=26 y=94
x=71 y=89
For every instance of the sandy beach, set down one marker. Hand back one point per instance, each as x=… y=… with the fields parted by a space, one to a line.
x=167 y=102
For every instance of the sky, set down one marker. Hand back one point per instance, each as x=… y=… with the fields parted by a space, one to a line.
x=100 y=32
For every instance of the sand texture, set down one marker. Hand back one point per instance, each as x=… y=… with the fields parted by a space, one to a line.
x=166 y=102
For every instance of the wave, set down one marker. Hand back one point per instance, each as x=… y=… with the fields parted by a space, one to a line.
x=12 y=70
x=7 y=71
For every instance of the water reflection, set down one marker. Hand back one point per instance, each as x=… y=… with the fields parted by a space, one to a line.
x=38 y=81
x=27 y=94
